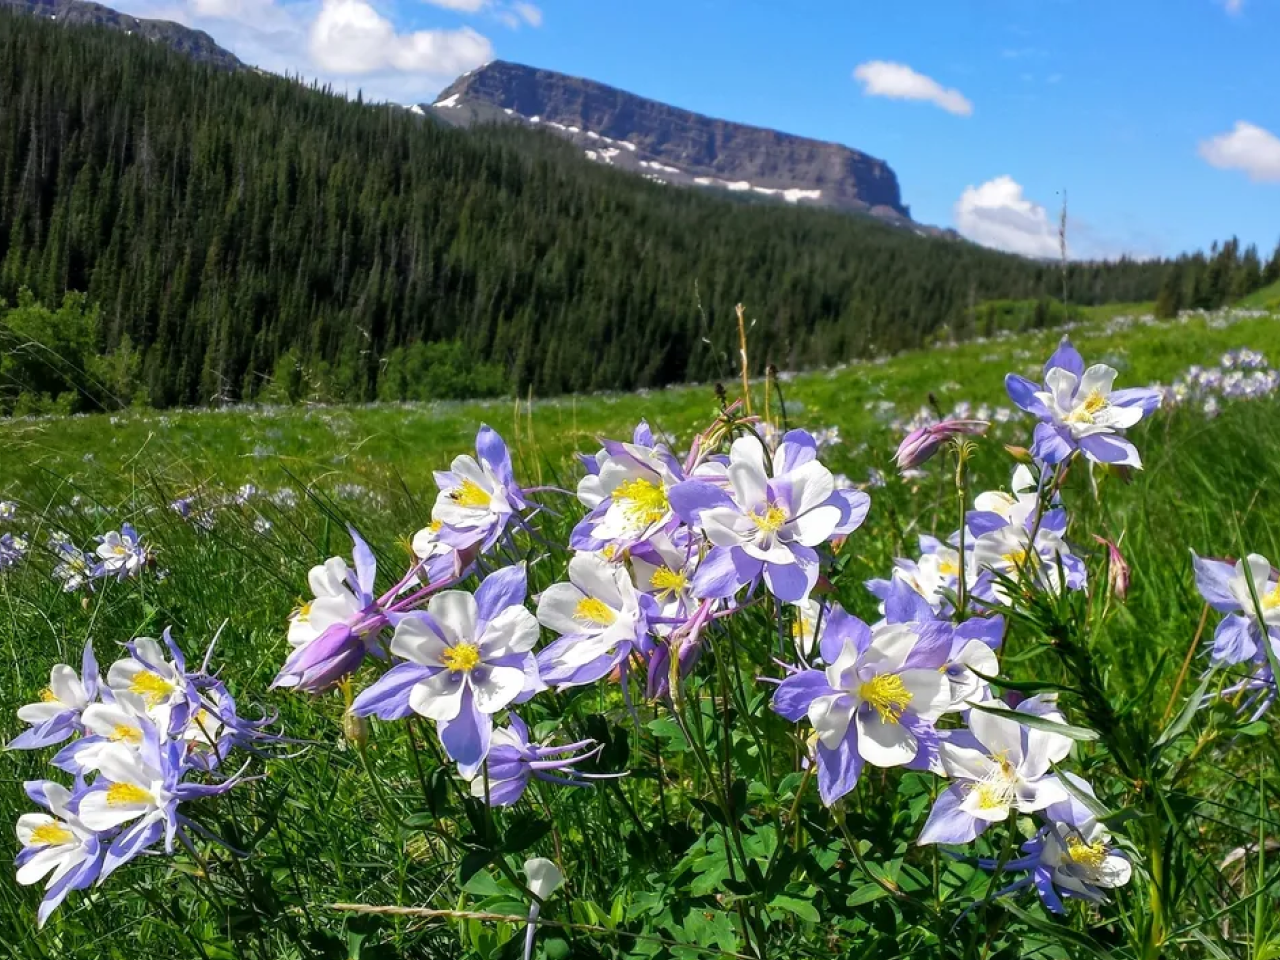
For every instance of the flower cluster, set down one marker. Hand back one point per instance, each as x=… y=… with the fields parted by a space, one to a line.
x=1248 y=592
x=153 y=735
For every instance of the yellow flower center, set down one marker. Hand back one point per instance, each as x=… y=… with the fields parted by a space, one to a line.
x=1015 y=558
x=124 y=734
x=151 y=687
x=643 y=501
x=591 y=610
x=119 y=550
x=51 y=834
x=770 y=521
x=948 y=568
x=48 y=696
x=1089 y=855
x=1271 y=599
x=667 y=582
x=463 y=658
x=1093 y=404
x=469 y=494
x=994 y=796
x=887 y=694
x=435 y=525
x=123 y=794
x=303 y=613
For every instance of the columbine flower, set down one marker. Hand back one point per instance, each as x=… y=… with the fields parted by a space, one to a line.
x=996 y=508
x=141 y=786
x=626 y=493
x=121 y=554
x=998 y=765
x=935 y=576
x=876 y=701
x=75 y=567
x=1226 y=588
x=57 y=845
x=438 y=560
x=8 y=510
x=147 y=677
x=1079 y=411
x=923 y=442
x=56 y=716
x=770 y=525
x=469 y=657
x=104 y=724
x=665 y=571
x=1040 y=561
x=477 y=496
x=601 y=618
x=12 y=550
x=332 y=633
x=513 y=761
x=806 y=626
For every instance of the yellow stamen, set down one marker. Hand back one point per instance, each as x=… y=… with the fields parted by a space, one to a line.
x=770 y=521
x=469 y=494
x=302 y=614
x=463 y=658
x=48 y=696
x=119 y=550
x=435 y=526
x=51 y=834
x=888 y=694
x=124 y=734
x=1093 y=404
x=643 y=501
x=667 y=582
x=610 y=551
x=949 y=568
x=1089 y=855
x=151 y=686
x=122 y=794
x=1271 y=600
x=1015 y=558
x=591 y=610
x=992 y=796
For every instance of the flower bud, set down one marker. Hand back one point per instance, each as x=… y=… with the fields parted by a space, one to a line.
x=922 y=443
x=355 y=729
x=1117 y=570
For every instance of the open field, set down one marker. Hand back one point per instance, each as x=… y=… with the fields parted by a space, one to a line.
x=261 y=495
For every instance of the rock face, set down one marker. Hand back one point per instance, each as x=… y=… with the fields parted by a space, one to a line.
x=194 y=43
x=670 y=145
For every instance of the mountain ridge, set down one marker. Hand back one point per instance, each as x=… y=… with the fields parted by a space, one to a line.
x=673 y=145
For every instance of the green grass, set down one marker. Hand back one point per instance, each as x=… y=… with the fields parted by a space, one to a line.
x=319 y=831
x=1268 y=298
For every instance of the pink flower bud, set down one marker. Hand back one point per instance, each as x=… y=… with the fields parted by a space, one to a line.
x=923 y=443
x=1117 y=570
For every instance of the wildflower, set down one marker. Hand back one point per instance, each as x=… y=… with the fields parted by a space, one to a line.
x=332 y=633
x=627 y=493
x=1040 y=559
x=544 y=879
x=875 y=702
x=477 y=496
x=922 y=443
x=1064 y=860
x=1231 y=589
x=104 y=724
x=935 y=576
x=998 y=765
x=56 y=845
x=56 y=715
x=148 y=678
x=12 y=550
x=1118 y=573
x=438 y=559
x=664 y=570
x=122 y=553
x=1078 y=410
x=769 y=526
x=142 y=786
x=468 y=657
x=8 y=511
x=602 y=620
x=806 y=626
x=513 y=761
x=996 y=508
x=74 y=568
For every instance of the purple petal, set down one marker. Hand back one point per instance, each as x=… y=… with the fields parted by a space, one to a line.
x=642 y=436
x=129 y=844
x=388 y=696
x=492 y=450
x=1066 y=357
x=797 y=448
x=933 y=648
x=794 y=694
x=1213 y=579
x=466 y=736
x=504 y=588
x=1109 y=448
x=690 y=498
x=723 y=572
x=1023 y=394
x=905 y=605
x=947 y=823
x=838 y=769
x=853 y=506
x=366 y=565
x=1235 y=640
x=1052 y=445
x=839 y=629
x=792 y=582
x=1146 y=399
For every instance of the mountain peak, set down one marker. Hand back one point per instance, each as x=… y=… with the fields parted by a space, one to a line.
x=672 y=145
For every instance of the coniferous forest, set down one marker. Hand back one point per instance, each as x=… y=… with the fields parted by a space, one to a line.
x=240 y=236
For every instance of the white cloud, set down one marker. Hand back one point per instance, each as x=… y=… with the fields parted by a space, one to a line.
x=350 y=37
x=997 y=214
x=880 y=78
x=529 y=13
x=1234 y=7
x=1247 y=147
x=462 y=6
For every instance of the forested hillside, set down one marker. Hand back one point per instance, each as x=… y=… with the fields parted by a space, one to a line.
x=236 y=232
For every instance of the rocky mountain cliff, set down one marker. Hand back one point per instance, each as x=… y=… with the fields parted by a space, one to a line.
x=670 y=145
x=194 y=43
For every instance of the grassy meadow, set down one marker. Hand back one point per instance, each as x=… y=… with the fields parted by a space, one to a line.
x=268 y=493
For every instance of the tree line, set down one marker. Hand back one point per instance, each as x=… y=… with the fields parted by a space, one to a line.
x=242 y=236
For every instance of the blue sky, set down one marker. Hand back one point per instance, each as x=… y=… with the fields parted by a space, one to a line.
x=1161 y=118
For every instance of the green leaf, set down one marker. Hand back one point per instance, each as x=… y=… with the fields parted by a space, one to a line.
x=1038 y=723
x=866 y=894
x=524 y=831
x=1188 y=711
x=801 y=908
x=1024 y=686
x=474 y=861
x=1060 y=932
